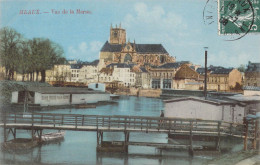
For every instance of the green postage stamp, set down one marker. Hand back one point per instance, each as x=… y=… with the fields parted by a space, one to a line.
x=238 y=17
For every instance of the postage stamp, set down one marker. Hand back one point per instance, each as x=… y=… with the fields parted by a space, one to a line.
x=238 y=17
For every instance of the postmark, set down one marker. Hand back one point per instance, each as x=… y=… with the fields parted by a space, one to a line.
x=235 y=18
x=210 y=12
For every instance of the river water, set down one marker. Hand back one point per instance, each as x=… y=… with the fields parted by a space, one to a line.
x=80 y=147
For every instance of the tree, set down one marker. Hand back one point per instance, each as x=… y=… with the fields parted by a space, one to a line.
x=45 y=55
x=24 y=58
x=241 y=68
x=9 y=50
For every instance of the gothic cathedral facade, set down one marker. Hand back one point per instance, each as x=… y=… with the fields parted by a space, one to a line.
x=117 y=50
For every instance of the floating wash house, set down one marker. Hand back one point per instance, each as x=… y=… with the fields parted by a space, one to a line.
x=54 y=96
x=199 y=108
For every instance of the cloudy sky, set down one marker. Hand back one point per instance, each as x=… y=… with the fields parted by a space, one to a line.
x=177 y=24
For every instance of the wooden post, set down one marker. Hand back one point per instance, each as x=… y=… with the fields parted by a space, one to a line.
x=40 y=137
x=41 y=118
x=62 y=119
x=14 y=133
x=125 y=123
x=32 y=119
x=54 y=121
x=218 y=138
x=146 y=125
x=32 y=133
x=255 y=134
x=191 y=142
x=5 y=134
x=97 y=138
x=126 y=141
x=15 y=118
x=170 y=126
x=97 y=122
x=76 y=122
x=141 y=124
x=101 y=138
x=109 y=122
x=246 y=134
x=83 y=120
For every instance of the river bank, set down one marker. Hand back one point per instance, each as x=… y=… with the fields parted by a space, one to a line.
x=153 y=93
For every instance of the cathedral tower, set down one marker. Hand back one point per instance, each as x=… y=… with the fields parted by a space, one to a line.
x=117 y=35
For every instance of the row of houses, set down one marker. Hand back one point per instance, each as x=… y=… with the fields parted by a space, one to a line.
x=177 y=75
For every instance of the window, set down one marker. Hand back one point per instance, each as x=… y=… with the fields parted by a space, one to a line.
x=52 y=97
x=156 y=83
x=59 y=97
x=65 y=97
x=44 y=97
x=167 y=83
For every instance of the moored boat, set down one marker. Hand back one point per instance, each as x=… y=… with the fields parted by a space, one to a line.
x=51 y=136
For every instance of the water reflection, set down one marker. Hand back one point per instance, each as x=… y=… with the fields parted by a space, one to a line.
x=80 y=147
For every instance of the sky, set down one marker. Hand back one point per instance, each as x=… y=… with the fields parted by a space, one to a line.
x=176 y=24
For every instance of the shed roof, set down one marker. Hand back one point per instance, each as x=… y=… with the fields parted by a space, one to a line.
x=246 y=99
x=61 y=90
x=216 y=102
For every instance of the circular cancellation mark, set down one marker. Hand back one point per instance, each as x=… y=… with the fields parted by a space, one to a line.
x=235 y=17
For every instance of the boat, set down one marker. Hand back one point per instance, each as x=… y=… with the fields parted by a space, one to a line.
x=113 y=96
x=52 y=136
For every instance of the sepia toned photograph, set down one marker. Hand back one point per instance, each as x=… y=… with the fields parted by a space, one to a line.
x=130 y=82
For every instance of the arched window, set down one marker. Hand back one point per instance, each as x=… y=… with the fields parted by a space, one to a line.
x=128 y=58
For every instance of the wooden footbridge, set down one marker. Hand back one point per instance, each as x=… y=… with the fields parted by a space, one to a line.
x=37 y=122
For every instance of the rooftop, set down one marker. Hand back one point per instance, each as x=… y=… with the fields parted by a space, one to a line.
x=217 y=102
x=253 y=67
x=170 y=65
x=120 y=65
x=252 y=88
x=243 y=98
x=140 y=48
x=61 y=90
x=222 y=71
x=76 y=66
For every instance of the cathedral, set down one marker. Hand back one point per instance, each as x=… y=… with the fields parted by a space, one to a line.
x=117 y=50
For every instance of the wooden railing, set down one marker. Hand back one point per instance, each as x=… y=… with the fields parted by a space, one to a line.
x=138 y=123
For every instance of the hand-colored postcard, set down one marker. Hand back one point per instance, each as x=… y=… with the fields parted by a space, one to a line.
x=129 y=82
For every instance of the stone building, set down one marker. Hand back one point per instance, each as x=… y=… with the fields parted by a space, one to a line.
x=187 y=78
x=252 y=75
x=223 y=79
x=117 y=50
x=162 y=76
x=142 y=78
x=59 y=73
x=118 y=72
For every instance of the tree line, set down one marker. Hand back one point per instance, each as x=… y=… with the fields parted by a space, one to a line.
x=27 y=56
